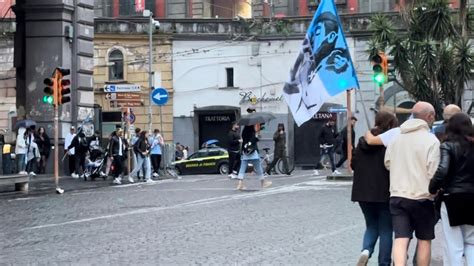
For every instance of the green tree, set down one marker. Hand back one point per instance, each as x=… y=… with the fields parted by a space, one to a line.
x=431 y=58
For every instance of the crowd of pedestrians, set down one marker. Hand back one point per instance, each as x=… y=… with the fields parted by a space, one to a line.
x=405 y=180
x=32 y=150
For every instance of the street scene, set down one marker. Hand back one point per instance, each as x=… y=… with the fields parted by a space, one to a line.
x=237 y=132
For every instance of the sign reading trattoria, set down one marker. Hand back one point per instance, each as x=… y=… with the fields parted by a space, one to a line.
x=217 y=118
x=249 y=97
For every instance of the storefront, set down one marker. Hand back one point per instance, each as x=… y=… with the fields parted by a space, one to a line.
x=213 y=122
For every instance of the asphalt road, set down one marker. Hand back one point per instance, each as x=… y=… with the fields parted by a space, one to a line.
x=301 y=220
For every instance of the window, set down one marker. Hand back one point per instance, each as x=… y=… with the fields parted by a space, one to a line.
x=230 y=76
x=116 y=65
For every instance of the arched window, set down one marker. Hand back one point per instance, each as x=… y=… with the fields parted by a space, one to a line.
x=116 y=65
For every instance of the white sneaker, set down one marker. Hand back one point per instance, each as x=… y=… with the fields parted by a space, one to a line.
x=149 y=180
x=74 y=175
x=363 y=258
x=117 y=181
x=156 y=175
x=316 y=172
x=32 y=174
x=102 y=173
x=130 y=179
x=336 y=172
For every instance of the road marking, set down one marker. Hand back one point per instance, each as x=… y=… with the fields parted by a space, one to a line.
x=302 y=186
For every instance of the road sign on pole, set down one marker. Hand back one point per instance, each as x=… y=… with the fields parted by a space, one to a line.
x=113 y=88
x=159 y=96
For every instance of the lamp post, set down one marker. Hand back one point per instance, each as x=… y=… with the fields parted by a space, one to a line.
x=149 y=14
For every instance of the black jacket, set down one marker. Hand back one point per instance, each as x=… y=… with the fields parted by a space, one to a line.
x=342 y=138
x=114 y=146
x=44 y=145
x=248 y=135
x=328 y=135
x=80 y=144
x=233 y=141
x=455 y=172
x=141 y=146
x=280 y=143
x=371 y=179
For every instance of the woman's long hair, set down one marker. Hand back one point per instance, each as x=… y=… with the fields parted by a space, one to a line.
x=280 y=125
x=459 y=129
x=384 y=121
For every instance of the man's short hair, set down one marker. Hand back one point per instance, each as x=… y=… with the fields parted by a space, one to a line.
x=354 y=118
x=156 y=131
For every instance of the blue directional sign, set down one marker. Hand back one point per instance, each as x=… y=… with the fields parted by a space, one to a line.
x=159 y=96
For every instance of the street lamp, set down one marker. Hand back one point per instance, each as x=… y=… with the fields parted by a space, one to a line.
x=152 y=25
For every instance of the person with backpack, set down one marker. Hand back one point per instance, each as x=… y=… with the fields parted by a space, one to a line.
x=81 y=147
x=141 y=148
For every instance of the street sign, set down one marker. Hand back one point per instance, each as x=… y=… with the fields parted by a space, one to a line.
x=128 y=96
x=113 y=88
x=125 y=103
x=159 y=96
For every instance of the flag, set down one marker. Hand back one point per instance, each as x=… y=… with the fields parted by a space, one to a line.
x=139 y=5
x=323 y=67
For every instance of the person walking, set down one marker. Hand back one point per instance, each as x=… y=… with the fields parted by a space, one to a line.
x=156 y=141
x=279 y=153
x=108 y=165
x=117 y=151
x=412 y=159
x=454 y=181
x=234 y=142
x=81 y=146
x=342 y=141
x=370 y=189
x=20 y=151
x=328 y=141
x=250 y=154
x=71 y=152
x=44 y=146
x=142 y=151
x=134 y=156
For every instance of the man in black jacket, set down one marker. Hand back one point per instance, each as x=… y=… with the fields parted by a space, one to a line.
x=233 y=149
x=327 y=140
x=117 y=151
x=81 y=146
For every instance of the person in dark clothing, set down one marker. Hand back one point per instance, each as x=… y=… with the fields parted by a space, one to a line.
x=454 y=180
x=117 y=151
x=233 y=149
x=279 y=153
x=342 y=141
x=44 y=146
x=81 y=147
x=371 y=189
x=327 y=139
x=142 y=150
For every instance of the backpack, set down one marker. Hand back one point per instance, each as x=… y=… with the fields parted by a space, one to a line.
x=249 y=148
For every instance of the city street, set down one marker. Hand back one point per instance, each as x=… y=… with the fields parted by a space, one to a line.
x=301 y=220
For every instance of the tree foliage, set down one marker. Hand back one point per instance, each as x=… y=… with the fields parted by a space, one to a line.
x=432 y=59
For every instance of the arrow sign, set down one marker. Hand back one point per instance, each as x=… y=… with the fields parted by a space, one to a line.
x=159 y=96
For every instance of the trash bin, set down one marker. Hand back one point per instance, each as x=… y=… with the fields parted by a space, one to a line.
x=7 y=162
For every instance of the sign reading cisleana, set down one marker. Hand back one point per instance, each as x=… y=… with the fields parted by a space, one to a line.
x=249 y=97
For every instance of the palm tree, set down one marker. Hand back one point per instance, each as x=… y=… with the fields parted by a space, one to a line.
x=432 y=60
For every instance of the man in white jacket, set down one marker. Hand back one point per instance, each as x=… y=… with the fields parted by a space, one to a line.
x=412 y=158
x=20 y=151
x=71 y=153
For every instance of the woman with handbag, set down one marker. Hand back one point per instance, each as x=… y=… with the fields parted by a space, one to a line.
x=250 y=155
x=454 y=181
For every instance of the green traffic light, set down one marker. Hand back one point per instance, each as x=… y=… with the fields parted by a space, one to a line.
x=48 y=99
x=379 y=78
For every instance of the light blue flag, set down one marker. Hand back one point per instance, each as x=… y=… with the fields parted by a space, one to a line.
x=323 y=68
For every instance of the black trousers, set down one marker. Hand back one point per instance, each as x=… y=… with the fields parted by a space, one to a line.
x=72 y=163
x=118 y=164
x=273 y=163
x=155 y=162
x=234 y=162
x=80 y=163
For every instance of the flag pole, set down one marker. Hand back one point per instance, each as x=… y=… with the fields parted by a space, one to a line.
x=349 y=128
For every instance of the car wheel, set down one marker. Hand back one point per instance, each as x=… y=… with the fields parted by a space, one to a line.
x=224 y=169
x=178 y=170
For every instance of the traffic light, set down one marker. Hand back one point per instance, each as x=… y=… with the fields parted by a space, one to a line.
x=63 y=89
x=380 y=67
x=49 y=90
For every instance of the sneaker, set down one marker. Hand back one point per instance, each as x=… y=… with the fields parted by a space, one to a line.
x=156 y=175
x=102 y=173
x=130 y=179
x=266 y=183
x=149 y=180
x=117 y=181
x=336 y=172
x=363 y=258
x=32 y=174
x=74 y=175
x=316 y=172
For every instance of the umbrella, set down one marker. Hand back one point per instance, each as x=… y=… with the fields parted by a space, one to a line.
x=26 y=123
x=256 y=118
x=209 y=142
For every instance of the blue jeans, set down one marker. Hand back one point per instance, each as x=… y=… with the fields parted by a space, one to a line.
x=330 y=153
x=257 y=165
x=379 y=225
x=20 y=163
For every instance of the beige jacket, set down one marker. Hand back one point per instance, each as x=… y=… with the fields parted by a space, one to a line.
x=412 y=159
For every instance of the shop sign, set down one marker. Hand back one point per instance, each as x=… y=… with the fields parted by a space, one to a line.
x=249 y=97
x=217 y=118
x=324 y=116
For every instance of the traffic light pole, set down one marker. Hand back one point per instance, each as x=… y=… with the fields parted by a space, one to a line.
x=56 y=145
x=382 y=99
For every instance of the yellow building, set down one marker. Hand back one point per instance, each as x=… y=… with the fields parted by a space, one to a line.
x=121 y=58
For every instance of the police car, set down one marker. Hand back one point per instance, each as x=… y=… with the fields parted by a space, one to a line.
x=205 y=161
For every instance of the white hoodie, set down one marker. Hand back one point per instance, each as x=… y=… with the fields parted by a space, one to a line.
x=20 y=147
x=412 y=159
